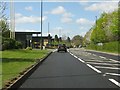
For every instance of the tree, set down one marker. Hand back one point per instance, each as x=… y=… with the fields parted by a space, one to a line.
x=49 y=39
x=77 y=40
x=56 y=38
x=68 y=39
x=2 y=9
x=60 y=39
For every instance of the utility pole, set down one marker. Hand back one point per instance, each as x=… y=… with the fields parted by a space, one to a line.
x=12 y=20
x=48 y=28
x=41 y=25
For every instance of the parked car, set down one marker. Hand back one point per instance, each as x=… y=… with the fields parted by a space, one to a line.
x=62 y=47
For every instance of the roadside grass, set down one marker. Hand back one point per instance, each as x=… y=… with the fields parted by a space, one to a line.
x=16 y=61
x=112 y=47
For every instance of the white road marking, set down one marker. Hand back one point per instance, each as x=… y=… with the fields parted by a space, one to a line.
x=114 y=74
x=94 y=55
x=115 y=82
x=114 y=60
x=108 y=67
x=81 y=60
x=55 y=50
x=103 y=64
x=75 y=56
x=97 y=61
x=102 y=57
x=98 y=71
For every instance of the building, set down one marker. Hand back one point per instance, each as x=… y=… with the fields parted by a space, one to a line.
x=29 y=40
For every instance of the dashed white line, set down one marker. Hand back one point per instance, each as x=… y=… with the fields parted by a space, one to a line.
x=108 y=67
x=98 y=71
x=115 y=82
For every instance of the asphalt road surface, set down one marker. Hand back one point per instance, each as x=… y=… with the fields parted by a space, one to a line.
x=64 y=70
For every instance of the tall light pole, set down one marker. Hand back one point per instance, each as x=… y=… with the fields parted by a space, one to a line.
x=12 y=20
x=41 y=24
x=48 y=28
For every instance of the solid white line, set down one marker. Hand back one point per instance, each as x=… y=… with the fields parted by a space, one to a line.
x=81 y=60
x=75 y=56
x=114 y=74
x=98 y=71
x=115 y=82
x=108 y=67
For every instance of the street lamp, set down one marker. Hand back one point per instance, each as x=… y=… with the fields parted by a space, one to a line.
x=41 y=24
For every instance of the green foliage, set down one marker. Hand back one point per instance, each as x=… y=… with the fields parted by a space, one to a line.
x=106 y=28
x=16 y=61
x=29 y=48
x=107 y=47
x=56 y=38
x=4 y=27
x=77 y=40
x=8 y=43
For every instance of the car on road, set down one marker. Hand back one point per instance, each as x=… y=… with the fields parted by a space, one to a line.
x=62 y=47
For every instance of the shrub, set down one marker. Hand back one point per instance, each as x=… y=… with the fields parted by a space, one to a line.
x=29 y=48
x=8 y=43
x=18 y=45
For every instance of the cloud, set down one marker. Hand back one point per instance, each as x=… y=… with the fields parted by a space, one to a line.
x=20 y=19
x=103 y=7
x=29 y=8
x=66 y=20
x=84 y=21
x=67 y=17
x=60 y=31
x=68 y=14
x=58 y=10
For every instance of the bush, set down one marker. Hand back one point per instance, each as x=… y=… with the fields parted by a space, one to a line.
x=8 y=43
x=18 y=45
x=29 y=48
x=107 y=47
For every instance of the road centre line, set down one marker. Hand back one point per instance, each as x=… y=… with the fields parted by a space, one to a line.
x=107 y=67
x=98 y=71
x=114 y=74
x=115 y=82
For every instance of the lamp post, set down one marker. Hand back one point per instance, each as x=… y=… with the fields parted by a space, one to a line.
x=41 y=25
x=12 y=20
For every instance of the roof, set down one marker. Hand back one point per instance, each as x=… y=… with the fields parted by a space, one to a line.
x=27 y=32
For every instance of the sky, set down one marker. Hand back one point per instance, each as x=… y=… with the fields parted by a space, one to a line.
x=68 y=18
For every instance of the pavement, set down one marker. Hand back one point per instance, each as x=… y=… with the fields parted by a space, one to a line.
x=69 y=70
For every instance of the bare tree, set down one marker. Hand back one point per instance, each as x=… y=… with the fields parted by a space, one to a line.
x=2 y=9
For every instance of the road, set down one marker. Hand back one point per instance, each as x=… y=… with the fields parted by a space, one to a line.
x=65 y=70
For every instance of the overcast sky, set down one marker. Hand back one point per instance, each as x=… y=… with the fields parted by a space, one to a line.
x=65 y=18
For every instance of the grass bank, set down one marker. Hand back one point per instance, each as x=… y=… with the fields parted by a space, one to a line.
x=16 y=61
x=112 y=47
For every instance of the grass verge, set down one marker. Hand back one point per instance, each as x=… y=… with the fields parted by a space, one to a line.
x=16 y=61
x=112 y=47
